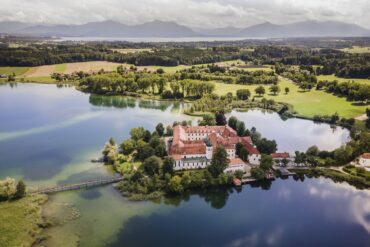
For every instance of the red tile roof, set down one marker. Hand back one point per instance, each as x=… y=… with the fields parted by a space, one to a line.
x=218 y=136
x=280 y=155
x=236 y=161
x=365 y=156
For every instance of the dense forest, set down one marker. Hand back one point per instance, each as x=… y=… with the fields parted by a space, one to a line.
x=326 y=60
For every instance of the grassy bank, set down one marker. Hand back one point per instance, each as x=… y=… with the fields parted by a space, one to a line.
x=21 y=221
x=336 y=176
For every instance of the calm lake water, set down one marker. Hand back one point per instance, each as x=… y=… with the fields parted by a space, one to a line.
x=49 y=134
x=157 y=39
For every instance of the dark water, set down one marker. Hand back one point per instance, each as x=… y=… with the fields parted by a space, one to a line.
x=49 y=134
x=315 y=212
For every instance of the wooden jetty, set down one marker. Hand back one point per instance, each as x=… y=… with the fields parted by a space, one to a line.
x=77 y=186
x=284 y=171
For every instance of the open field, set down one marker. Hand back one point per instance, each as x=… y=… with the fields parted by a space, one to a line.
x=21 y=221
x=340 y=79
x=60 y=68
x=305 y=103
x=95 y=66
x=357 y=49
x=44 y=70
x=128 y=50
x=10 y=70
x=90 y=66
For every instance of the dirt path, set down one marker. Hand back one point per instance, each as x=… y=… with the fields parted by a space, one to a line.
x=362 y=117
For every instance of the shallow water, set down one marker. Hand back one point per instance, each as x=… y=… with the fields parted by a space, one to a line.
x=49 y=134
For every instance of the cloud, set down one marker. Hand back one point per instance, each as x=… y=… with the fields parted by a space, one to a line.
x=357 y=209
x=195 y=13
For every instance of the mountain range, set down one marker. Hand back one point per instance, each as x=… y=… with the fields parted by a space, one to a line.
x=172 y=29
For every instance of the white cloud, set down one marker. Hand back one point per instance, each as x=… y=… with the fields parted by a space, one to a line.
x=196 y=13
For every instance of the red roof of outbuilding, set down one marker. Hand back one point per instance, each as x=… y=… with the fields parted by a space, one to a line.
x=365 y=156
x=280 y=155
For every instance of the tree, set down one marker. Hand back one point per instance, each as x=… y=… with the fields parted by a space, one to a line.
x=343 y=154
x=8 y=188
x=266 y=146
x=260 y=90
x=243 y=94
x=208 y=119
x=21 y=189
x=161 y=84
x=175 y=184
x=257 y=173
x=160 y=150
x=151 y=165
x=160 y=129
x=145 y=152
x=185 y=180
x=160 y=71
x=334 y=118
x=219 y=162
x=154 y=141
x=241 y=151
x=232 y=122
x=312 y=151
x=239 y=174
x=11 y=77
x=137 y=133
x=240 y=128
x=169 y=130
x=111 y=141
x=287 y=90
x=266 y=162
x=274 y=89
x=168 y=165
x=220 y=118
x=127 y=146
x=110 y=152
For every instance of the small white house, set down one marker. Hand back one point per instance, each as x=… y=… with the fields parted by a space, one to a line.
x=364 y=160
x=236 y=165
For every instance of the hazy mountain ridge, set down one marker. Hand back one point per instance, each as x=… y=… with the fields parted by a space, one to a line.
x=172 y=29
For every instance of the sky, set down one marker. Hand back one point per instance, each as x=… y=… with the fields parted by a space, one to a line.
x=192 y=13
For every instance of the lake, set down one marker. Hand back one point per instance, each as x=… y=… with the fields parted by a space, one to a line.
x=156 y=39
x=49 y=134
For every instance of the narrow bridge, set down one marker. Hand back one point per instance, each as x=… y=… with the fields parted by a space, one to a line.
x=76 y=186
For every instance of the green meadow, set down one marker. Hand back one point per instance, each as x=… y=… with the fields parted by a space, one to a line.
x=16 y=70
x=340 y=79
x=309 y=103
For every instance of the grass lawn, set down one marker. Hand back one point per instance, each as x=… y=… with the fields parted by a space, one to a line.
x=60 y=68
x=340 y=79
x=11 y=70
x=40 y=79
x=357 y=49
x=305 y=103
x=20 y=221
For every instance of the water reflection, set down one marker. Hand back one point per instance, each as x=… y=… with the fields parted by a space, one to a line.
x=358 y=208
x=130 y=102
x=286 y=212
x=293 y=134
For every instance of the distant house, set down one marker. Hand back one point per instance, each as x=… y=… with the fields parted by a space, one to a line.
x=280 y=156
x=364 y=160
